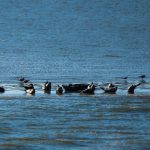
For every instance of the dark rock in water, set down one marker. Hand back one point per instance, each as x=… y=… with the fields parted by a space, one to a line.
x=2 y=90
x=75 y=87
x=132 y=88
x=110 y=88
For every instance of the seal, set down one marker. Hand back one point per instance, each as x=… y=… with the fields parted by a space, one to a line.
x=132 y=88
x=59 y=90
x=110 y=88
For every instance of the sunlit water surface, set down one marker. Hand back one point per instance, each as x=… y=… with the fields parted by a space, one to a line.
x=72 y=42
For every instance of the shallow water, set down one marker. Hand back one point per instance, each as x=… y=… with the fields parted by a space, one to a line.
x=75 y=122
x=77 y=41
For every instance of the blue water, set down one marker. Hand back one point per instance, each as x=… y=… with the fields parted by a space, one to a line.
x=73 y=41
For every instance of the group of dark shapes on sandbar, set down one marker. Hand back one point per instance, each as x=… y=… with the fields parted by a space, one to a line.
x=79 y=88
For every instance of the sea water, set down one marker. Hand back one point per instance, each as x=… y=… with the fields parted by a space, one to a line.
x=74 y=41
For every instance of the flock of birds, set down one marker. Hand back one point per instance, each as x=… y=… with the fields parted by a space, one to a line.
x=81 y=88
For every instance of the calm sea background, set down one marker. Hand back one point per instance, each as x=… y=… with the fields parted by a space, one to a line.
x=73 y=41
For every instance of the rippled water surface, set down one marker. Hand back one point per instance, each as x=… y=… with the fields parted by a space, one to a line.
x=74 y=41
x=75 y=122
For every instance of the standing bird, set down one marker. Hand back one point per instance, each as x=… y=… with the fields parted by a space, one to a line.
x=132 y=88
x=59 y=90
x=29 y=89
x=47 y=87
